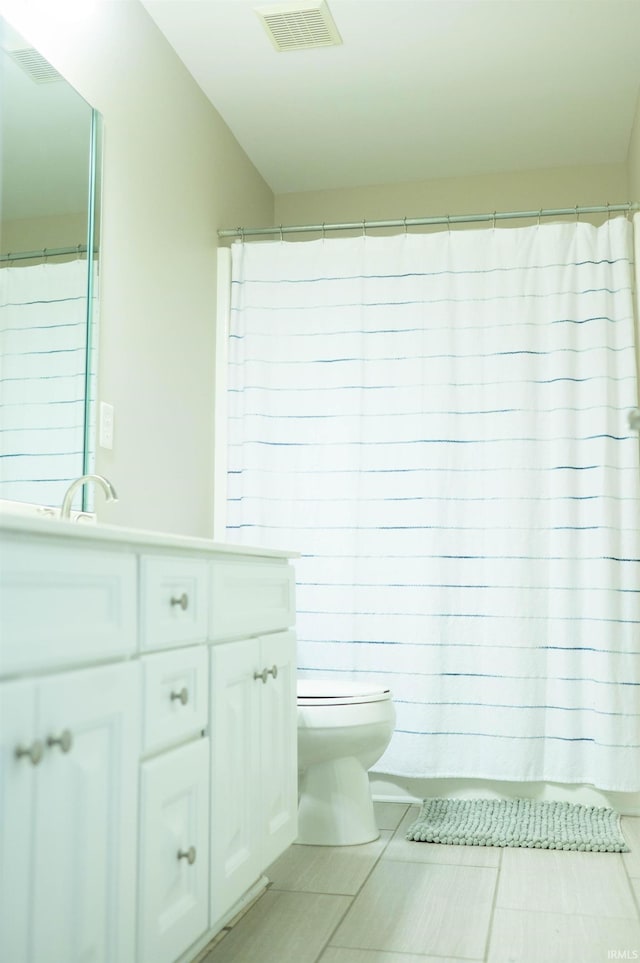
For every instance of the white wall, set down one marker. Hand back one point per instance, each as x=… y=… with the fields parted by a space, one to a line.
x=633 y=157
x=173 y=175
x=511 y=191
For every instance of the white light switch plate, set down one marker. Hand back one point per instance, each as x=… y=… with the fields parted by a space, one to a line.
x=105 y=435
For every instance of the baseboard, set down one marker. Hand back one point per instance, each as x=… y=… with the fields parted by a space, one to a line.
x=385 y=788
x=202 y=947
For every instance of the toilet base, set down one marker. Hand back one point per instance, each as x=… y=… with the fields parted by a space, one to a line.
x=335 y=806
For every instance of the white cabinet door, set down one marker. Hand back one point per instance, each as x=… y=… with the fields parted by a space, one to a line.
x=174 y=852
x=235 y=863
x=17 y=779
x=67 y=817
x=279 y=744
x=254 y=767
x=85 y=815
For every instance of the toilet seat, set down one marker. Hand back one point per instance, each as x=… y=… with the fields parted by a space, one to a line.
x=327 y=692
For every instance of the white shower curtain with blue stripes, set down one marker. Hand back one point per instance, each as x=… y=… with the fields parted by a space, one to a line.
x=438 y=424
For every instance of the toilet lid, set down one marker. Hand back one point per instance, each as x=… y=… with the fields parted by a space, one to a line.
x=326 y=692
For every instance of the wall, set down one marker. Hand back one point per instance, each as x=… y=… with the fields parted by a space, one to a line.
x=33 y=234
x=173 y=174
x=523 y=190
x=633 y=157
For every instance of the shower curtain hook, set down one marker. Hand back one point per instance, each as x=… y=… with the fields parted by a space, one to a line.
x=449 y=223
x=324 y=233
x=405 y=224
x=364 y=229
x=539 y=216
x=608 y=212
x=241 y=234
x=494 y=220
x=577 y=215
x=281 y=233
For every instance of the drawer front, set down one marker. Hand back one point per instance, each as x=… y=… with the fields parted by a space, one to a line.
x=173 y=601
x=174 y=696
x=64 y=604
x=250 y=598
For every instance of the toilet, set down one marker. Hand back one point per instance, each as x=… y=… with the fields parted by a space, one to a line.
x=343 y=729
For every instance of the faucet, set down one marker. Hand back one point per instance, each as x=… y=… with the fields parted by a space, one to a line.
x=105 y=484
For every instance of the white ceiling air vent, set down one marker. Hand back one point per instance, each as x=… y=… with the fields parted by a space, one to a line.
x=34 y=64
x=299 y=26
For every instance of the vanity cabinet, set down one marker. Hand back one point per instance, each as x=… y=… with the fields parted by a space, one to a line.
x=253 y=753
x=148 y=739
x=68 y=801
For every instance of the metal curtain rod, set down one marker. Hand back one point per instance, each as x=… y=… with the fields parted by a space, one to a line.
x=44 y=252
x=446 y=219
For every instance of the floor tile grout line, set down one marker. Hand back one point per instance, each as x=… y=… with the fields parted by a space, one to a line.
x=494 y=905
x=635 y=896
x=359 y=890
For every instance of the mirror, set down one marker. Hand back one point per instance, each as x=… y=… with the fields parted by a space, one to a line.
x=49 y=226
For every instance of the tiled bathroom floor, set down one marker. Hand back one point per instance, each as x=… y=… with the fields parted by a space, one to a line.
x=394 y=901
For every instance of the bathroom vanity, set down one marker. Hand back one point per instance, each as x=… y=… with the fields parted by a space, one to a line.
x=147 y=738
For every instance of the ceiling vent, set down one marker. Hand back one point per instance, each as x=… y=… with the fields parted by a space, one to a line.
x=299 y=26
x=34 y=65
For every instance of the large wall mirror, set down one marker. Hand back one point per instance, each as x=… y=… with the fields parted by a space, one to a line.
x=50 y=149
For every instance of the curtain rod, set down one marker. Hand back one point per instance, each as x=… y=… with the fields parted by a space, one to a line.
x=44 y=253
x=407 y=222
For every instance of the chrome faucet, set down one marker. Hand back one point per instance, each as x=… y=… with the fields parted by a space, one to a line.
x=105 y=484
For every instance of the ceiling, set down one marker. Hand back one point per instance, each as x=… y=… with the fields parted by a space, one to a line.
x=418 y=89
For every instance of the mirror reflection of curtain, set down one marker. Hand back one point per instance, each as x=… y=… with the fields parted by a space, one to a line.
x=438 y=423
x=43 y=337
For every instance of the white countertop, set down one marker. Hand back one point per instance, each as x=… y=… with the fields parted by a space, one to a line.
x=115 y=536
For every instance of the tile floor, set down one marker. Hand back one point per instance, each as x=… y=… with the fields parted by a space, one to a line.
x=394 y=901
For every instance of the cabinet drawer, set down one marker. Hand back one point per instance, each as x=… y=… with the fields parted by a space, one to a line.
x=173 y=601
x=174 y=696
x=250 y=598
x=64 y=604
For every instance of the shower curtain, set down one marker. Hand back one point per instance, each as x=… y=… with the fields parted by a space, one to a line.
x=43 y=345
x=438 y=424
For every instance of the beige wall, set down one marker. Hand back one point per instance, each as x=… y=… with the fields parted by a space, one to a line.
x=34 y=234
x=633 y=158
x=525 y=190
x=173 y=174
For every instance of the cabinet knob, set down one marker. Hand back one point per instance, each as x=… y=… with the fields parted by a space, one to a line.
x=64 y=740
x=188 y=854
x=181 y=696
x=181 y=600
x=266 y=673
x=34 y=752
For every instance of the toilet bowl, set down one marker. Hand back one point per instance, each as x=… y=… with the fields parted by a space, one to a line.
x=343 y=729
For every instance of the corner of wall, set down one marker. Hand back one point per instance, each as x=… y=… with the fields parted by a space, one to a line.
x=633 y=156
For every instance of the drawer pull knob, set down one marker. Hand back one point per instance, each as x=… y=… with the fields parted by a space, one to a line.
x=64 y=740
x=266 y=673
x=188 y=854
x=181 y=600
x=181 y=696
x=35 y=752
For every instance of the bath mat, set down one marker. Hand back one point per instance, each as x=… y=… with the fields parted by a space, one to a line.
x=518 y=822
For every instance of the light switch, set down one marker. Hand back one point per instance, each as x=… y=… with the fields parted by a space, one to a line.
x=105 y=435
